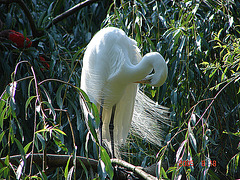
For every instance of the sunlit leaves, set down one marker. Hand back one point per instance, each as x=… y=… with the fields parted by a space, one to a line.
x=67 y=173
x=229 y=58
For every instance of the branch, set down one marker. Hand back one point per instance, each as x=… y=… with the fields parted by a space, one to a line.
x=135 y=169
x=70 y=11
x=55 y=160
x=35 y=31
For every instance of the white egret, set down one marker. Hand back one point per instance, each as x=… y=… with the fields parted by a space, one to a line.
x=112 y=67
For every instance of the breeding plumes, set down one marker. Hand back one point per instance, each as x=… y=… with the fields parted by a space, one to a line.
x=112 y=69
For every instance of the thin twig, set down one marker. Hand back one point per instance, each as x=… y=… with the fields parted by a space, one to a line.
x=22 y=79
x=214 y=98
x=70 y=12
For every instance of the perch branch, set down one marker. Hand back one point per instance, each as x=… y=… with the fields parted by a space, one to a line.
x=70 y=12
x=135 y=169
x=55 y=160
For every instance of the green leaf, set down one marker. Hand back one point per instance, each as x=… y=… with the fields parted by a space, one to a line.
x=50 y=8
x=20 y=129
x=59 y=131
x=21 y=166
x=20 y=147
x=83 y=166
x=42 y=140
x=164 y=174
x=79 y=119
x=213 y=72
x=92 y=128
x=5 y=96
x=138 y=34
x=193 y=141
x=40 y=173
x=51 y=107
x=4 y=170
x=192 y=138
x=59 y=96
x=27 y=104
x=66 y=168
x=177 y=34
x=60 y=144
x=213 y=175
x=84 y=95
x=51 y=42
x=2 y=135
x=151 y=44
x=27 y=147
x=96 y=115
x=223 y=77
x=75 y=57
x=105 y=163
x=179 y=151
x=40 y=20
x=4 y=115
x=13 y=107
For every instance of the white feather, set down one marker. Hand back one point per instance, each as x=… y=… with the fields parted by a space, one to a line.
x=111 y=65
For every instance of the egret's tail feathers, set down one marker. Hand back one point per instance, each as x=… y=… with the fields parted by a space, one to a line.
x=149 y=119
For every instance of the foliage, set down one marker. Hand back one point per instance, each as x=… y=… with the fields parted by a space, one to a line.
x=40 y=109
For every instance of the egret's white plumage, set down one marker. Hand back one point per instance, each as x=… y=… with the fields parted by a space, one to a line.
x=112 y=65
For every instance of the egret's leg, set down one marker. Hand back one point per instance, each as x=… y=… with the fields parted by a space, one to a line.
x=101 y=123
x=111 y=128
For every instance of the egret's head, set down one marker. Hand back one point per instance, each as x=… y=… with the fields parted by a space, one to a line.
x=159 y=76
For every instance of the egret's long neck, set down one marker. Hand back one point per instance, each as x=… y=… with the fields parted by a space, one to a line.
x=141 y=70
x=130 y=73
x=149 y=62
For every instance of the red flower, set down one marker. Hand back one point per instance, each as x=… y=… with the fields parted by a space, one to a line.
x=43 y=61
x=19 y=39
x=21 y=42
